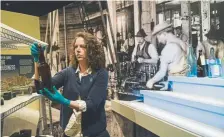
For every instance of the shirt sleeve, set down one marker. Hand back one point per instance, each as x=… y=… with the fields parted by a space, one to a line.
x=166 y=59
x=153 y=52
x=161 y=73
x=98 y=92
x=59 y=78
x=184 y=45
x=134 y=53
x=38 y=85
x=167 y=53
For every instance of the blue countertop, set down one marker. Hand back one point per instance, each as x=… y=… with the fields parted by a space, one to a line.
x=196 y=80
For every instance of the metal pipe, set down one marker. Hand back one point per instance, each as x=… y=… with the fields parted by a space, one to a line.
x=43 y=113
x=189 y=15
x=50 y=117
x=65 y=38
x=215 y=14
x=46 y=35
x=50 y=24
x=112 y=36
x=50 y=114
x=105 y=30
x=79 y=9
x=108 y=40
x=136 y=19
x=83 y=13
x=46 y=29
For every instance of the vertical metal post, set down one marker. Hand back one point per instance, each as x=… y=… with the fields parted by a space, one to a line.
x=65 y=38
x=83 y=13
x=50 y=117
x=148 y=14
x=116 y=68
x=205 y=18
x=136 y=18
x=50 y=39
x=43 y=114
x=46 y=34
x=146 y=19
x=215 y=14
x=189 y=22
x=186 y=19
x=80 y=14
x=2 y=126
x=111 y=30
x=164 y=11
x=51 y=64
x=105 y=30
x=153 y=17
x=153 y=11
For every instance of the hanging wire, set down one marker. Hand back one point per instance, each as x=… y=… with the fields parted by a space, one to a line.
x=83 y=13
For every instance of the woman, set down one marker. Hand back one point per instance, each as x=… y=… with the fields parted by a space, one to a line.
x=85 y=78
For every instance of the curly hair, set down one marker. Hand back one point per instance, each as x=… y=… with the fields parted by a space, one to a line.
x=95 y=52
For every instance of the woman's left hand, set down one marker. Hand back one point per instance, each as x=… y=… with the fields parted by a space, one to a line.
x=56 y=96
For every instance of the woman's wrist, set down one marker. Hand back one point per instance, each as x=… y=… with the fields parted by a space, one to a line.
x=74 y=105
x=36 y=64
x=82 y=105
x=67 y=102
x=78 y=105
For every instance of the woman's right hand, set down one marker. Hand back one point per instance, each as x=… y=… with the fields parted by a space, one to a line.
x=35 y=51
x=56 y=96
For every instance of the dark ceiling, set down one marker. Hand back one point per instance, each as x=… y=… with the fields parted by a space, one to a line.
x=35 y=8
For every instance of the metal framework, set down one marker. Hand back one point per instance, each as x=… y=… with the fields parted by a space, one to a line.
x=17 y=37
x=19 y=106
x=16 y=108
x=9 y=38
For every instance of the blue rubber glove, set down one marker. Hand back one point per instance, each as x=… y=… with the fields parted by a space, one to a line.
x=56 y=96
x=35 y=52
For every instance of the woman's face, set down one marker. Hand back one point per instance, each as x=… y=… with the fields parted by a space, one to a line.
x=80 y=49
